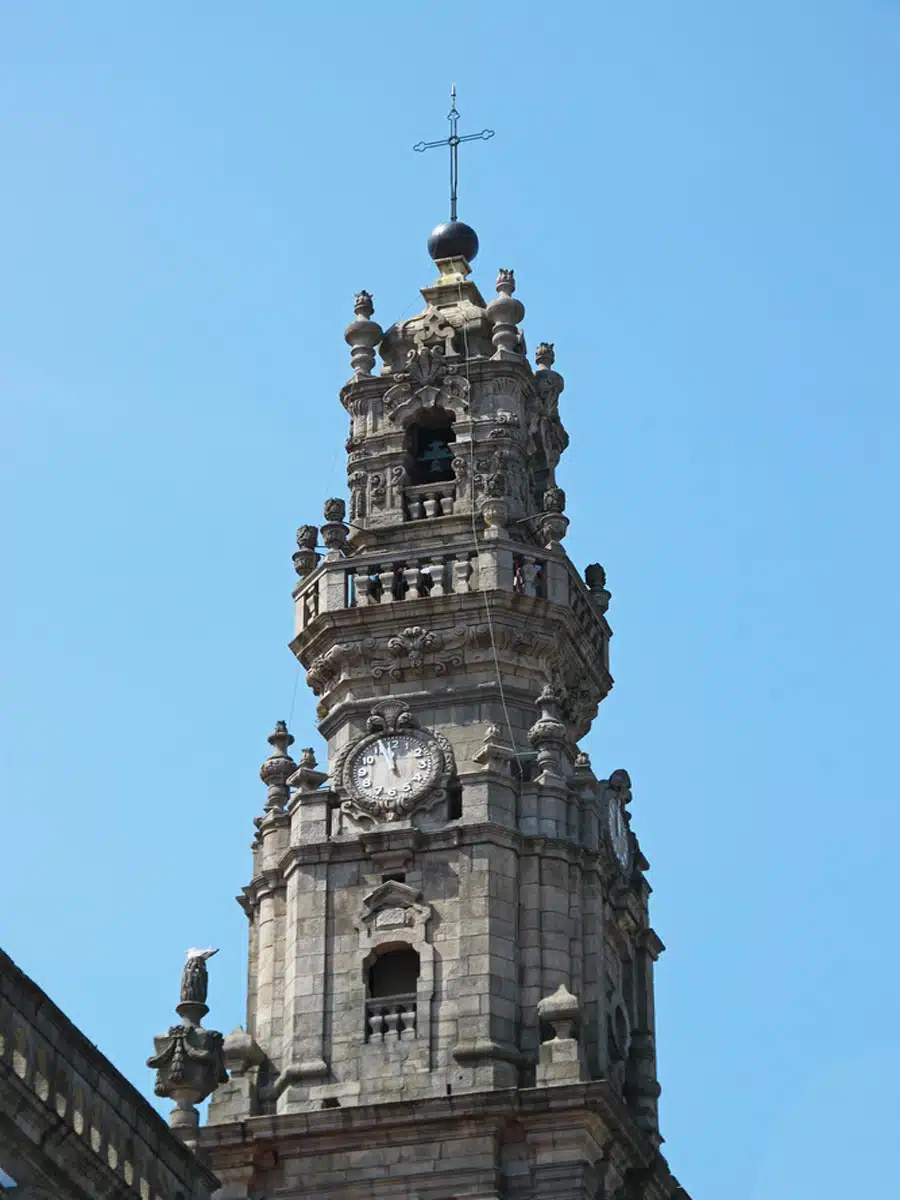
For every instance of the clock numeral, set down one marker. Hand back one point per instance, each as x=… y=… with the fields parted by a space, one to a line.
x=392 y=791
x=362 y=772
x=366 y=783
x=418 y=752
x=369 y=760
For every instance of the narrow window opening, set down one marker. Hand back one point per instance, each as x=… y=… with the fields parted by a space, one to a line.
x=331 y=1102
x=454 y=801
x=431 y=441
x=394 y=877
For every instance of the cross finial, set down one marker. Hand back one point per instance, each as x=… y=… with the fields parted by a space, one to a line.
x=453 y=141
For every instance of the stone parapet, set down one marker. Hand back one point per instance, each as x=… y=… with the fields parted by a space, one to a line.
x=70 y=1123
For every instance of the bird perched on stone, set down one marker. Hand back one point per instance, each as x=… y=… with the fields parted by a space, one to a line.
x=194 y=977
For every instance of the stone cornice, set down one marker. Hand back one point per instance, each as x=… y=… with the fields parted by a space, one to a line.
x=595 y=1104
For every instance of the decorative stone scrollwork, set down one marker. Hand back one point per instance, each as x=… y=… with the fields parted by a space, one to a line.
x=416 y=650
x=428 y=380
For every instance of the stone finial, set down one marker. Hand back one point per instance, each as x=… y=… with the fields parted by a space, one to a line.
x=548 y=733
x=560 y=1011
x=363 y=335
x=561 y=1057
x=620 y=783
x=308 y=759
x=189 y=1061
x=334 y=531
x=545 y=356
x=553 y=524
x=305 y=558
x=505 y=313
x=278 y=767
x=595 y=578
x=549 y=382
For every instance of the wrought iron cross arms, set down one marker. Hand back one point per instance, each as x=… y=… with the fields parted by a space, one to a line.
x=453 y=142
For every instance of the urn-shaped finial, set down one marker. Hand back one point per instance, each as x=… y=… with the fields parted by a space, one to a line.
x=334 y=531
x=278 y=767
x=363 y=335
x=188 y=1061
x=505 y=313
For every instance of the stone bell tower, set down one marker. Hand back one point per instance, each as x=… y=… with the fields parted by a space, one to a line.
x=451 y=962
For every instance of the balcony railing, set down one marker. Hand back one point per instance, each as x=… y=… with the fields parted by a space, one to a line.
x=391 y=1019
x=427 y=500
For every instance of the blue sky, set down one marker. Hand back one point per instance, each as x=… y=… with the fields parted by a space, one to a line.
x=700 y=202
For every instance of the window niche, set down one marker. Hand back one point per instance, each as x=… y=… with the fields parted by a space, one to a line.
x=396 y=977
x=430 y=442
x=392 y=983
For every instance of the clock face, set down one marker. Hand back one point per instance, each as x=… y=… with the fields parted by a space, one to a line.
x=391 y=770
x=618 y=832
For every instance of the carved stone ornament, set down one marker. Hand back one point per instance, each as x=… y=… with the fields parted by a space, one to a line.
x=415 y=650
x=334 y=509
x=188 y=1058
x=393 y=769
x=428 y=380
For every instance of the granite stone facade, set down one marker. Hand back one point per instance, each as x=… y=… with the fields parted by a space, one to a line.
x=451 y=960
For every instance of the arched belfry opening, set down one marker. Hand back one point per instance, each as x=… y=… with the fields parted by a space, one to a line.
x=430 y=441
x=394 y=973
x=392 y=980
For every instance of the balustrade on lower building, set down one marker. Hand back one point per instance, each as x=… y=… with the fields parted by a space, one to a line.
x=391 y=1019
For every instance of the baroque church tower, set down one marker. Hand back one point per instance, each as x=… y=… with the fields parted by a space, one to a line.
x=451 y=960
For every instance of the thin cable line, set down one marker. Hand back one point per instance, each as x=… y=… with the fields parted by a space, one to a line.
x=294 y=696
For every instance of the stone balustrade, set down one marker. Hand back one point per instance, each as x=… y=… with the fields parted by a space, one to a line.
x=391 y=1019
x=365 y=580
x=73 y=1117
x=426 y=500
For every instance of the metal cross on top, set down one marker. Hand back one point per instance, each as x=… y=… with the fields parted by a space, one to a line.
x=453 y=142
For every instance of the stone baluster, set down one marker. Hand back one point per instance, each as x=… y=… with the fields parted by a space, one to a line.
x=432 y=504
x=408 y=1023
x=447 y=504
x=386 y=579
x=411 y=580
x=362 y=587
x=376 y=1026
x=391 y=1021
x=363 y=335
x=461 y=569
x=435 y=572
x=415 y=508
x=505 y=313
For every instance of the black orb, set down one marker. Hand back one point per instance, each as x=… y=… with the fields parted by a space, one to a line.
x=453 y=239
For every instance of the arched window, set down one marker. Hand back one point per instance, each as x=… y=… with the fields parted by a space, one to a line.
x=431 y=439
x=394 y=973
